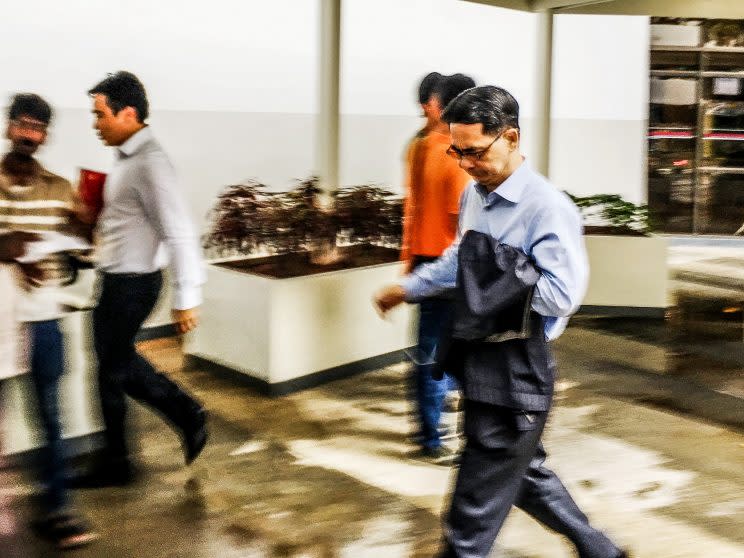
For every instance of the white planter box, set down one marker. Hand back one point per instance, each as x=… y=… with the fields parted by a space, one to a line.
x=79 y=408
x=290 y=333
x=627 y=273
x=676 y=35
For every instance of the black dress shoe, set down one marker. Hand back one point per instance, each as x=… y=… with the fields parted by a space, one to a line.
x=102 y=476
x=195 y=437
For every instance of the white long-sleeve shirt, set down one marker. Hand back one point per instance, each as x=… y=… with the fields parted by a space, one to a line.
x=145 y=224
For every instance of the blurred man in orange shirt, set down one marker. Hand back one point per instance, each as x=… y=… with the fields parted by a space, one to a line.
x=434 y=185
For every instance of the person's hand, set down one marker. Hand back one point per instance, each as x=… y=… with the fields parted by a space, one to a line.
x=33 y=273
x=83 y=212
x=389 y=297
x=186 y=320
x=13 y=244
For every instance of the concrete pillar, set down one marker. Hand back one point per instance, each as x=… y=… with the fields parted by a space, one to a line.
x=544 y=86
x=327 y=140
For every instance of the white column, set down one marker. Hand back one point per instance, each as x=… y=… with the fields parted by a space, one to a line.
x=543 y=86
x=327 y=135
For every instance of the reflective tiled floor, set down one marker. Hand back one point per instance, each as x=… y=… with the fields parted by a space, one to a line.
x=328 y=472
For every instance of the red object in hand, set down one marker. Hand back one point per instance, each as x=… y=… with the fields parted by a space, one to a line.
x=91 y=188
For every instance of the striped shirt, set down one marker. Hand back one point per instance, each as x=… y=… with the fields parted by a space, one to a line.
x=45 y=203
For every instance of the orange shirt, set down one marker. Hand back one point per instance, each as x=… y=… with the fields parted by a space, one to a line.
x=435 y=182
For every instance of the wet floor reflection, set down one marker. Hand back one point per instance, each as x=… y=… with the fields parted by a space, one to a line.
x=327 y=472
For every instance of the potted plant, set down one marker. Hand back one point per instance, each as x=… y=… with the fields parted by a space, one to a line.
x=287 y=300
x=284 y=234
x=628 y=264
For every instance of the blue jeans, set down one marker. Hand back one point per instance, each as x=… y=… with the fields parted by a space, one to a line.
x=433 y=316
x=47 y=366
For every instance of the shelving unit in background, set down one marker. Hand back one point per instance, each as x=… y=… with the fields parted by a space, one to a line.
x=696 y=127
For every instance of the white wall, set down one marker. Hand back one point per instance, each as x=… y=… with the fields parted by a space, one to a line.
x=218 y=56
x=600 y=95
x=233 y=88
x=388 y=46
x=600 y=105
x=232 y=85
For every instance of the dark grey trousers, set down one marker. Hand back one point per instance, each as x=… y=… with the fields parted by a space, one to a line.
x=502 y=465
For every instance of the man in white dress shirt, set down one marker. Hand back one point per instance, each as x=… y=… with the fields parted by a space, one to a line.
x=143 y=226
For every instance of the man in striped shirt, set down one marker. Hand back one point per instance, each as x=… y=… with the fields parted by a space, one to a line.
x=34 y=200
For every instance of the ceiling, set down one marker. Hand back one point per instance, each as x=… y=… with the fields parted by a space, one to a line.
x=733 y=9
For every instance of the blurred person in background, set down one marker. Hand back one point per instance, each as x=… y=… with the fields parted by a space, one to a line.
x=434 y=184
x=425 y=91
x=34 y=200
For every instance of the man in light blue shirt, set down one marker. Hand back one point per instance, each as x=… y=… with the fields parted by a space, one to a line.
x=529 y=213
x=508 y=385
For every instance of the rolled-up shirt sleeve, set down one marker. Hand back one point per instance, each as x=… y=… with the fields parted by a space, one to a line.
x=164 y=206
x=557 y=247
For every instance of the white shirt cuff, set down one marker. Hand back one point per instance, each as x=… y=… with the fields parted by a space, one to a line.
x=185 y=298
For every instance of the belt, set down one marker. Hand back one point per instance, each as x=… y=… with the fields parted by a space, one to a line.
x=113 y=275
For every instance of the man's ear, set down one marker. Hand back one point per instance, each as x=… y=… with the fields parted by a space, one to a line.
x=130 y=113
x=512 y=138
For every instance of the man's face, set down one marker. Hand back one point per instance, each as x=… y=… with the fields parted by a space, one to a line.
x=484 y=157
x=113 y=129
x=26 y=134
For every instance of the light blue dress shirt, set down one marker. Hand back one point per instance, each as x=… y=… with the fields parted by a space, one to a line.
x=529 y=213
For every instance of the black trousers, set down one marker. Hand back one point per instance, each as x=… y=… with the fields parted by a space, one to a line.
x=125 y=302
x=503 y=465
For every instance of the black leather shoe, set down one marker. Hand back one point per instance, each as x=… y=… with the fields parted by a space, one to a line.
x=195 y=437
x=102 y=476
x=440 y=455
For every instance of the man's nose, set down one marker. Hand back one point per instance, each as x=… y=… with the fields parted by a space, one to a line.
x=466 y=164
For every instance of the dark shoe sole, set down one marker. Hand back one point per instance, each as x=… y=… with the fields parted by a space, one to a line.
x=194 y=444
x=66 y=532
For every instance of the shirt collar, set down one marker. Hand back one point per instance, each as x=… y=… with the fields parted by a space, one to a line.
x=135 y=142
x=512 y=188
x=38 y=172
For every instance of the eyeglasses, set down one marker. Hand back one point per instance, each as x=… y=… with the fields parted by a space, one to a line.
x=31 y=125
x=472 y=155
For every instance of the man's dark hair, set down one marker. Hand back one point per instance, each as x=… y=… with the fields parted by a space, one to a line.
x=123 y=89
x=31 y=105
x=427 y=86
x=450 y=87
x=489 y=105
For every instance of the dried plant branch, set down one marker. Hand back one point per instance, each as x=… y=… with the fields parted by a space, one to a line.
x=248 y=219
